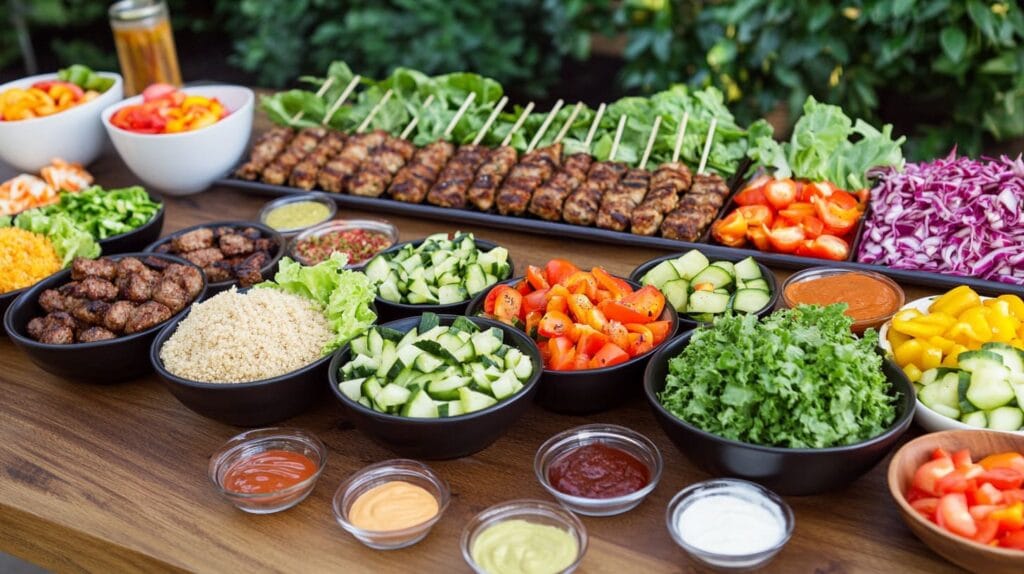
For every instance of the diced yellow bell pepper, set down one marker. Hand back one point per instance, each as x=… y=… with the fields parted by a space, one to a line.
x=913 y=373
x=923 y=326
x=896 y=338
x=977 y=318
x=931 y=357
x=942 y=343
x=955 y=301
x=907 y=315
x=1004 y=327
x=908 y=353
x=962 y=333
x=953 y=357
x=1015 y=303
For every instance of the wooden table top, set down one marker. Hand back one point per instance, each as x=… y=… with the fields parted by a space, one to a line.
x=113 y=478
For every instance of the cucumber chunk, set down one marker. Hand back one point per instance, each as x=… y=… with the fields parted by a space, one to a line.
x=750 y=300
x=716 y=276
x=975 y=419
x=690 y=264
x=747 y=269
x=1006 y=419
x=990 y=387
x=661 y=274
x=707 y=302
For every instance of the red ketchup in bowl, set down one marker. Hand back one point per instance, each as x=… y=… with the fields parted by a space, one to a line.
x=598 y=471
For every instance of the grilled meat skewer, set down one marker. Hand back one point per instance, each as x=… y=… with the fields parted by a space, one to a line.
x=413 y=181
x=264 y=150
x=582 y=206
x=697 y=209
x=307 y=139
x=303 y=176
x=529 y=174
x=549 y=199
x=334 y=176
x=489 y=177
x=383 y=163
x=667 y=184
x=454 y=180
x=618 y=203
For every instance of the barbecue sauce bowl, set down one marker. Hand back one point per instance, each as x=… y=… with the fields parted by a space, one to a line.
x=109 y=361
x=788 y=471
x=391 y=311
x=591 y=390
x=441 y=438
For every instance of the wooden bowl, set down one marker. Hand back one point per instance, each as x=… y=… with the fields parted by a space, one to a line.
x=960 y=551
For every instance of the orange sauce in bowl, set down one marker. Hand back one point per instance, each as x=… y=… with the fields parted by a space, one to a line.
x=866 y=297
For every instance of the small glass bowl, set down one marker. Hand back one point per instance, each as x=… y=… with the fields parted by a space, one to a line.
x=343 y=225
x=313 y=196
x=254 y=442
x=734 y=487
x=401 y=469
x=818 y=272
x=536 y=511
x=614 y=436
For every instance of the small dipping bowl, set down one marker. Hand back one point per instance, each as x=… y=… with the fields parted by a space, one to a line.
x=400 y=469
x=731 y=487
x=291 y=202
x=535 y=511
x=860 y=324
x=254 y=442
x=327 y=227
x=614 y=436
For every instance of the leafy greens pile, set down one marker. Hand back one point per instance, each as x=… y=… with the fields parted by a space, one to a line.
x=411 y=88
x=797 y=379
x=105 y=213
x=821 y=149
x=345 y=296
x=69 y=239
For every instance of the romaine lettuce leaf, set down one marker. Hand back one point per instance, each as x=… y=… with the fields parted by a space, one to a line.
x=69 y=240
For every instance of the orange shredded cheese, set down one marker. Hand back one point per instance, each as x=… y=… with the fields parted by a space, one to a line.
x=25 y=258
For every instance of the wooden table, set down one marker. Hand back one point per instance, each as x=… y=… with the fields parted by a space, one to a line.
x=113 y=478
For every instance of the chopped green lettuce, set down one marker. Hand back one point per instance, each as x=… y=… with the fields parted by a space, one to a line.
x=105 y=213
x=69 y=240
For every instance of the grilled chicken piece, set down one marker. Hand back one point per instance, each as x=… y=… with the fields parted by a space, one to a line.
x=304 y=174
x=102 y=268
x=549 y=198
x=489 y=177
x=188 y=278
x=373 y=177
x=93 y=334
x=117 y=316
x=529 y=174
x=618 y=204
x=336 y=173
x=582 y=206
x=235 y=244
x=452 y=184
x=93 y=288
x=267 y=147
x=667 y=184
x=169 y=293
x=304 y=143
x=413 y=181
x=194 y=240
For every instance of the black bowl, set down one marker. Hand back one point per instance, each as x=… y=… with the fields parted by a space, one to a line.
x=790 y=471
x=6 y=299
x=251 y=404
x=444 y=438
x=267 y=270
x=109 y=361
x=592 y=390
x=390 y=311
x=685 y=319
x=136 y=239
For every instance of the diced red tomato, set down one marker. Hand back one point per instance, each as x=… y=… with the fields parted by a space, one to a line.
x=524 y=287
x=785 y=239
x=926 y=506
x=532 y=322
x=535 y=277
x=1002 y=478
x=508 y=303
x=812 y=226
x=941 y=453
x=609 y=355
x=928 y=474
x=981 y=511
x=590 y=340
x=1012 y=495
x=558 y=269
x=563 y=353
x=987 y=494
x=962 y=459
x=759 y=237
x=987 y=531
x=780 y=192
x=844 y=199
x=954 y=515
x=616 y=287
x=816 y=189
x=1013 y=540
x=557 y=303
x=830 y=247
x=753 y=194
x=580 y=361
x=555 y=324
x=757 y=215
x=798 y=210
x=955 y=481
x=534 y=301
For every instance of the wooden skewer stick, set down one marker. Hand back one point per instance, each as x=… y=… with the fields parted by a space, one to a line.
x=680 y=133
x=650 y=142
x=707 y=146
x=341 y=99
x=517 y=125
x=416 y=119
x=544 y=126
x=373 y=112
x=490 y=120
x=618 y=137
x=458 y=115
x=568 y=122
x=319 y=93
x=594 y=126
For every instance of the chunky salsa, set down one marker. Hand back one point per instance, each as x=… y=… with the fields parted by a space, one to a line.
x=359 y=244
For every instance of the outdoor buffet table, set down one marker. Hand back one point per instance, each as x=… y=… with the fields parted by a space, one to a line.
x=114 y=478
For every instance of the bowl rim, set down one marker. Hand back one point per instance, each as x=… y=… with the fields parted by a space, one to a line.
x=476 y=304
x=776 y=292
x=313 y=196
x=827 y=270
x=380 y=225
x=426 y=307
x=528 y=386
x=110 y=110
x=34 y=290
x=118 y=85
x=276 y=257
x=900 y=424
x=604 y=433
x=896 y=492
x=253 y=436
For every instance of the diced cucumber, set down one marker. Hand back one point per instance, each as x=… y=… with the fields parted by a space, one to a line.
x=364 y=366
x=677 y=293
x=427 y=363
x=524 y=368
x=421 y=406
x=448 y=294
x=474 y=401
x=716 y=276
x=408 y=353
x=450 y=409
x=727 y=266
x=370 y=388
x=375 y=343
x=506 y=386
x=757 y=284
x=750 y=300
x=931 y=375
x=485 y=343
x=388 y=358
x=358 y=346
x=377 y=269
x=943 y=393
x=447 y=389
x=975 y=360
x=661 y=274
x=392 y=396
x=990 y=387
x=690 y=264
x=1006 y=419
x=1011 y=356
x=707 y=302
x=464 y=353
x=975 y=419
x=748 y=270
x=947 y=412
x=352 y=388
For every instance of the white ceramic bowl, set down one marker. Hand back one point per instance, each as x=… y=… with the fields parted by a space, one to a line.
x=188 y=162
x=928 y=419
x=74 y=135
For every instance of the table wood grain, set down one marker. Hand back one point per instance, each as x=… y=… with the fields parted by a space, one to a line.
x=114 y=478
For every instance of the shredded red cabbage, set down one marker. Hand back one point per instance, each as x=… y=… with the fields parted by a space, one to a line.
x=958 y=216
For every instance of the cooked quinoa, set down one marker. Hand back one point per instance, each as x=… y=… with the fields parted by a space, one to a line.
x=240 y=337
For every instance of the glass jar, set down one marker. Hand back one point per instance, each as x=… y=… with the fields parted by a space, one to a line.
x=145 y=44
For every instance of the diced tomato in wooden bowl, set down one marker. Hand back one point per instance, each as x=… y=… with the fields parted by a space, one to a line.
x=595 y=331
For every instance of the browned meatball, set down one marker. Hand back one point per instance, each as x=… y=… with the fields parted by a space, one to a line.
x=90 y=312
x=223 y=230
x=194 y=240
x=252 y=233
x=102 y=268
x=168 y=292
x=94 y=288
x=93 y=334
x=117 y=315
x=157 y=263
x=248 y=271
x=57 y=335
x=231 y=245
x=163 y=248
x=189 y=278
x=128 y=266
x=138 y=287
x=204 y=257
x=264 y=244
x=145 y=316
x=51 y=300
x=219 y=271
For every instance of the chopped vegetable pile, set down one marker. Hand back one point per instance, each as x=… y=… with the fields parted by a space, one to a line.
x=105 y=213
x=959 y=216
x=74 y=86
x=167 y=110
x=798 y=378
x=27 y=191
x=694 y=285
x=68 y=238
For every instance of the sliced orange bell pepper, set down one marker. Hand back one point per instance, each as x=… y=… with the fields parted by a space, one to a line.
x=535 y=277
x=556 y=324
x=609 y=355
x=616 y=287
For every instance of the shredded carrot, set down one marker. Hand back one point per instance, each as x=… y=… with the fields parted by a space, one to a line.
x=26 y=258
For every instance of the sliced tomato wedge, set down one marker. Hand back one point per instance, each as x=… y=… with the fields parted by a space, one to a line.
x=753 y=194
x=954 y=515
x=562 y=353
x=730 y=230
x=987 y=531
x=660 y=330
x=535 y=277
x=524 y=287
x=928 y=474
x=812 y=226
x=955 y=481
x=757 y=215
x=508 y=304
x=617 y=334
x=534 y=301
x=816 y=189
x=759 y=237
x=1002 y=478
x=609 y=355
x=780 y=192
x=987 y=494
x=830 y=247
x=1013 y=540
x=590 y=340
x=532 y=321
x=785 y=239
x=926 y=506
x=555 y=324
x=558 y=269
x=648 y=301
x=581 y=282
x=836 y=217
x=557 y=303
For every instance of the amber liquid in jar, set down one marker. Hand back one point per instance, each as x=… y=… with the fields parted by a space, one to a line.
x=145 y=44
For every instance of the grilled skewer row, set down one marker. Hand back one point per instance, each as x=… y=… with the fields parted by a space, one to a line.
x=278 y=171
x=303 y=176
x=582 y=206
x=489 y=177
x=667 y=184
x=373 y=177
x=413 y=181
x=335 y=175
x=618 y=204
x=529 y=174
x=264 y=150
x=549 y=198
x=697 y=209
x=452 y=184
